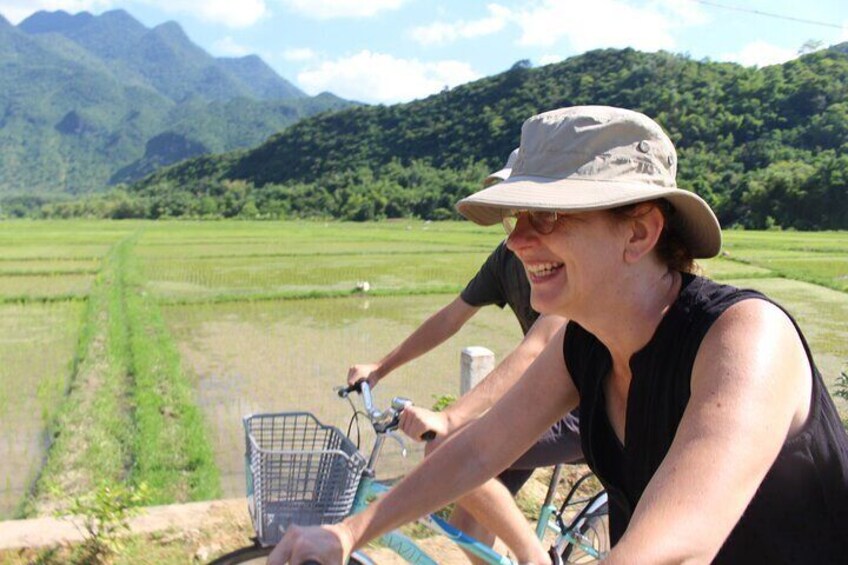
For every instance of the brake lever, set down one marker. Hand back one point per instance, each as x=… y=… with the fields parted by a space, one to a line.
x=397 y=437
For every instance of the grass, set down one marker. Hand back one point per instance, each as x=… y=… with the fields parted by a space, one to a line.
x=211 y=278
x=92 y=434
x=130 y=415
x=172 y=454
x=183 y=327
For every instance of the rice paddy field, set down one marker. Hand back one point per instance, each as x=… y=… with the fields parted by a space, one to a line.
x=129 y=351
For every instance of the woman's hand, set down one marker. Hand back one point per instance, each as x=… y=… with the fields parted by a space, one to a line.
x=415 y=421
x=327 y=545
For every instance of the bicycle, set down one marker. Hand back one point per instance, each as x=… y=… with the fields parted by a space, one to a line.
x=299 y=471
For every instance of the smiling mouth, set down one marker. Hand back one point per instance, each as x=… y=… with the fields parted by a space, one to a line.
x=541 y=271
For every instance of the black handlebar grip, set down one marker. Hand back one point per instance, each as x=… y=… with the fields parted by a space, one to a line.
x=429 y=435
x=355 y=387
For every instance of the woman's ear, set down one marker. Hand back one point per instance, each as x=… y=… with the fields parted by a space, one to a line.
x=644 y=228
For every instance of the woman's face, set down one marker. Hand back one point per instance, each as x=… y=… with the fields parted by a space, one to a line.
x=574 y=268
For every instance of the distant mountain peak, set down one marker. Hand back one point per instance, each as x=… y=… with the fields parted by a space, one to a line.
x=118 y=14
x=59 y=21
x=171 y=29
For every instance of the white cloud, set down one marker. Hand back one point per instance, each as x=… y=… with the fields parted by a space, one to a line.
x=686 y=12
x=588 y=25
x=299 y=54
x=760 y=54
x=378 y=77
x=442 y=32
x=227 y=47
x=327 y=9
x=241 y=14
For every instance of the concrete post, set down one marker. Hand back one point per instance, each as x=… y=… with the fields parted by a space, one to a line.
x=475 y=363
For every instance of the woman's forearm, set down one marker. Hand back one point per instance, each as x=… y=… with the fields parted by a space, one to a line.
x=451 y=471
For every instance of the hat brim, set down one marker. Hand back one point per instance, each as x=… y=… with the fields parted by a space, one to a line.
x=694 y=218
x=497 y=176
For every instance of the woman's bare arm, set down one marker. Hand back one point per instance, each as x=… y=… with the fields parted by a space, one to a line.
x=476 y=453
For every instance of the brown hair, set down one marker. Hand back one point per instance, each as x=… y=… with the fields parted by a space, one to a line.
x=671 y=248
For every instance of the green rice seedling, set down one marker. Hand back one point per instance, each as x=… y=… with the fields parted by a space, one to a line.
x=50 y=267
x=171 y=450
x=813 y=242
x=23 y=288
x=245 y=276
x=721 y=268
x=36 y=346
x=93 y=430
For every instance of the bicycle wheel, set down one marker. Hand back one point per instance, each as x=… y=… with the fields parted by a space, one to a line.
x=256 y=555
x=253 y=554
x=592 y=526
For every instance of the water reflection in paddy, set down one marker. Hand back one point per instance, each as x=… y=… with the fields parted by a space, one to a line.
x=287 y=355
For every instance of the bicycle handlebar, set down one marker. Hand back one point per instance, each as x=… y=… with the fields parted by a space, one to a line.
x=381 y=420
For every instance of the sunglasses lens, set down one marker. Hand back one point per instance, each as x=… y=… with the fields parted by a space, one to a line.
x=543 y=222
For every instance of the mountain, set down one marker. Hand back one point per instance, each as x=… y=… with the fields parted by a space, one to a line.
x=163 y=57
x=763 y=146
x=86 y=100
x=266 y=84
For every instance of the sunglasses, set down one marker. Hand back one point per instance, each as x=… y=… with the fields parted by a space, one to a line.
x=543 y=222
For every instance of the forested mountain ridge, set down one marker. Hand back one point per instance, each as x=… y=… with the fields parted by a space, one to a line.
x=163 y=57
x=764 y=146
x=87 y=100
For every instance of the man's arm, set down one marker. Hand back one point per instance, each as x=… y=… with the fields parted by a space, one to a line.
x=415 y=420
x=434 y=331
x=506 y=374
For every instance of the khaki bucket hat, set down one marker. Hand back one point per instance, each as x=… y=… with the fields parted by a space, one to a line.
x=504 y=173
x=586 y=158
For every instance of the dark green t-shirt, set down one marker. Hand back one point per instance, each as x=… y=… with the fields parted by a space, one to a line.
x=502 y=280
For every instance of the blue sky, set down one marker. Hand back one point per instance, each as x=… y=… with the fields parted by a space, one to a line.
x=388 y=51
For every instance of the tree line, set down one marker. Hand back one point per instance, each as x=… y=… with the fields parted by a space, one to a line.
x=765 y=147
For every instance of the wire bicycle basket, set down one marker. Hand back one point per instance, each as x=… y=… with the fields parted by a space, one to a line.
x=298 y=471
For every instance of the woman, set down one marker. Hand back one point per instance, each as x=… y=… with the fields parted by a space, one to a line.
x=701 y=409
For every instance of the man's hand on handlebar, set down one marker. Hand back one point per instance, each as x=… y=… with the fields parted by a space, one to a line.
x=416 y=422
x=365 y=371
x=325 y=545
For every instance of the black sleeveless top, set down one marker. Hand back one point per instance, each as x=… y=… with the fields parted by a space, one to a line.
x=800 y=512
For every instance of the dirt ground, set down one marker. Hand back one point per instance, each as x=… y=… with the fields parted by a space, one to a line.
x=198 y=532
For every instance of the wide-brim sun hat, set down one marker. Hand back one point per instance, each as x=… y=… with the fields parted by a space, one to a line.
x=587 y=158
x=502 y=174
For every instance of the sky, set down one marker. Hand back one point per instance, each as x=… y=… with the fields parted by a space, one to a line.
x=391 y=51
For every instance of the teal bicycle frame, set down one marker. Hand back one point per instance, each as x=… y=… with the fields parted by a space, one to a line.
x=407 y=549
x=369 y=489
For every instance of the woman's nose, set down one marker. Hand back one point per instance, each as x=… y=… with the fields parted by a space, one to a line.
x=523 y=234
